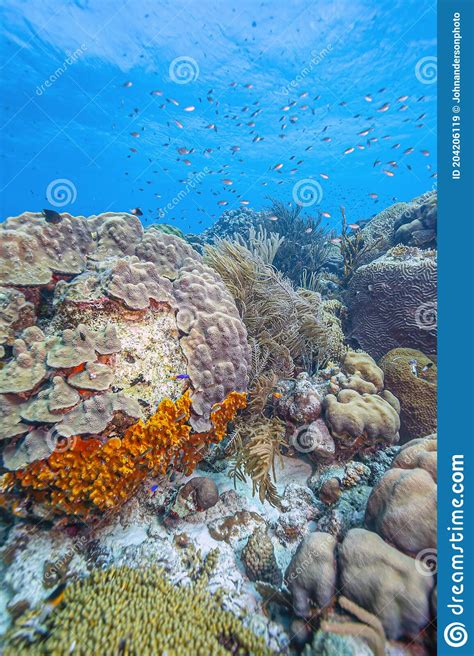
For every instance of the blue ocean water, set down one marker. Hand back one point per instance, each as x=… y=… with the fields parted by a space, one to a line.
x=280 y=91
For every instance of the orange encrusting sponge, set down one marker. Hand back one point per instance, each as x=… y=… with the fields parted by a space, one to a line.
x=93 y=476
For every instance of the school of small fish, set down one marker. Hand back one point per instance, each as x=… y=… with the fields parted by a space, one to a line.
x=202 y=127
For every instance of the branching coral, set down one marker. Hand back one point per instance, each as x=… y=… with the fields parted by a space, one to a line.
x=292 y=325
x=261 y=243
x=368 y=627
x=353 y=249
x=306 y=243
x=255 y=450
x=94 y=476
x=107 y=613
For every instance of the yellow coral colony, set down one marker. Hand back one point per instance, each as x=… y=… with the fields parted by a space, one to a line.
x=92 y=476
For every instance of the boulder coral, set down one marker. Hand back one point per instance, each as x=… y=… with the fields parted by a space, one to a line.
x=105 y=322
x=422 y=453
x=392 y=301
x=411 y=376
x=385 y=582
x=108 y=269
x=351 y=415
x=402 y=507
x=311 y=574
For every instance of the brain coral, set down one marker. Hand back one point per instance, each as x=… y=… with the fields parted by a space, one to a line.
x=392 y=302
x=126 y=317
x=415 y=388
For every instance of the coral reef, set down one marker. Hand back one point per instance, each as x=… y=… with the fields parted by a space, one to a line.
x=306 y=243
x=107 y=267
x=351 y=415
x=289 y=326
x=417 y=226
x=392 y=302
x=385 y=582
x=254 y=450
x=107 y=613
x=411 y=376
x=402 y=506
x=92 y=476
x=311 y=575
x=399 y=222
x=259 y=560
x=422 y=453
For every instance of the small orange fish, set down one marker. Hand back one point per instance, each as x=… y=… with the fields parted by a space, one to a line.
x=326 y=215
x=222 y=202
x=336 y=241
x=373 y=195
x=277 y=167
x=324 y=176
x=272 y=217
x=353 y=226
x=384 y=107
x=389 y=173
x=179 y=125
x=349 y=150
x=244 y=202
x=227 y=181
x=368 y=98
x=426 y=153
x=189 y=108
x=127 y=85
x=134 y=134
x=402 y=98
x=156 y=92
